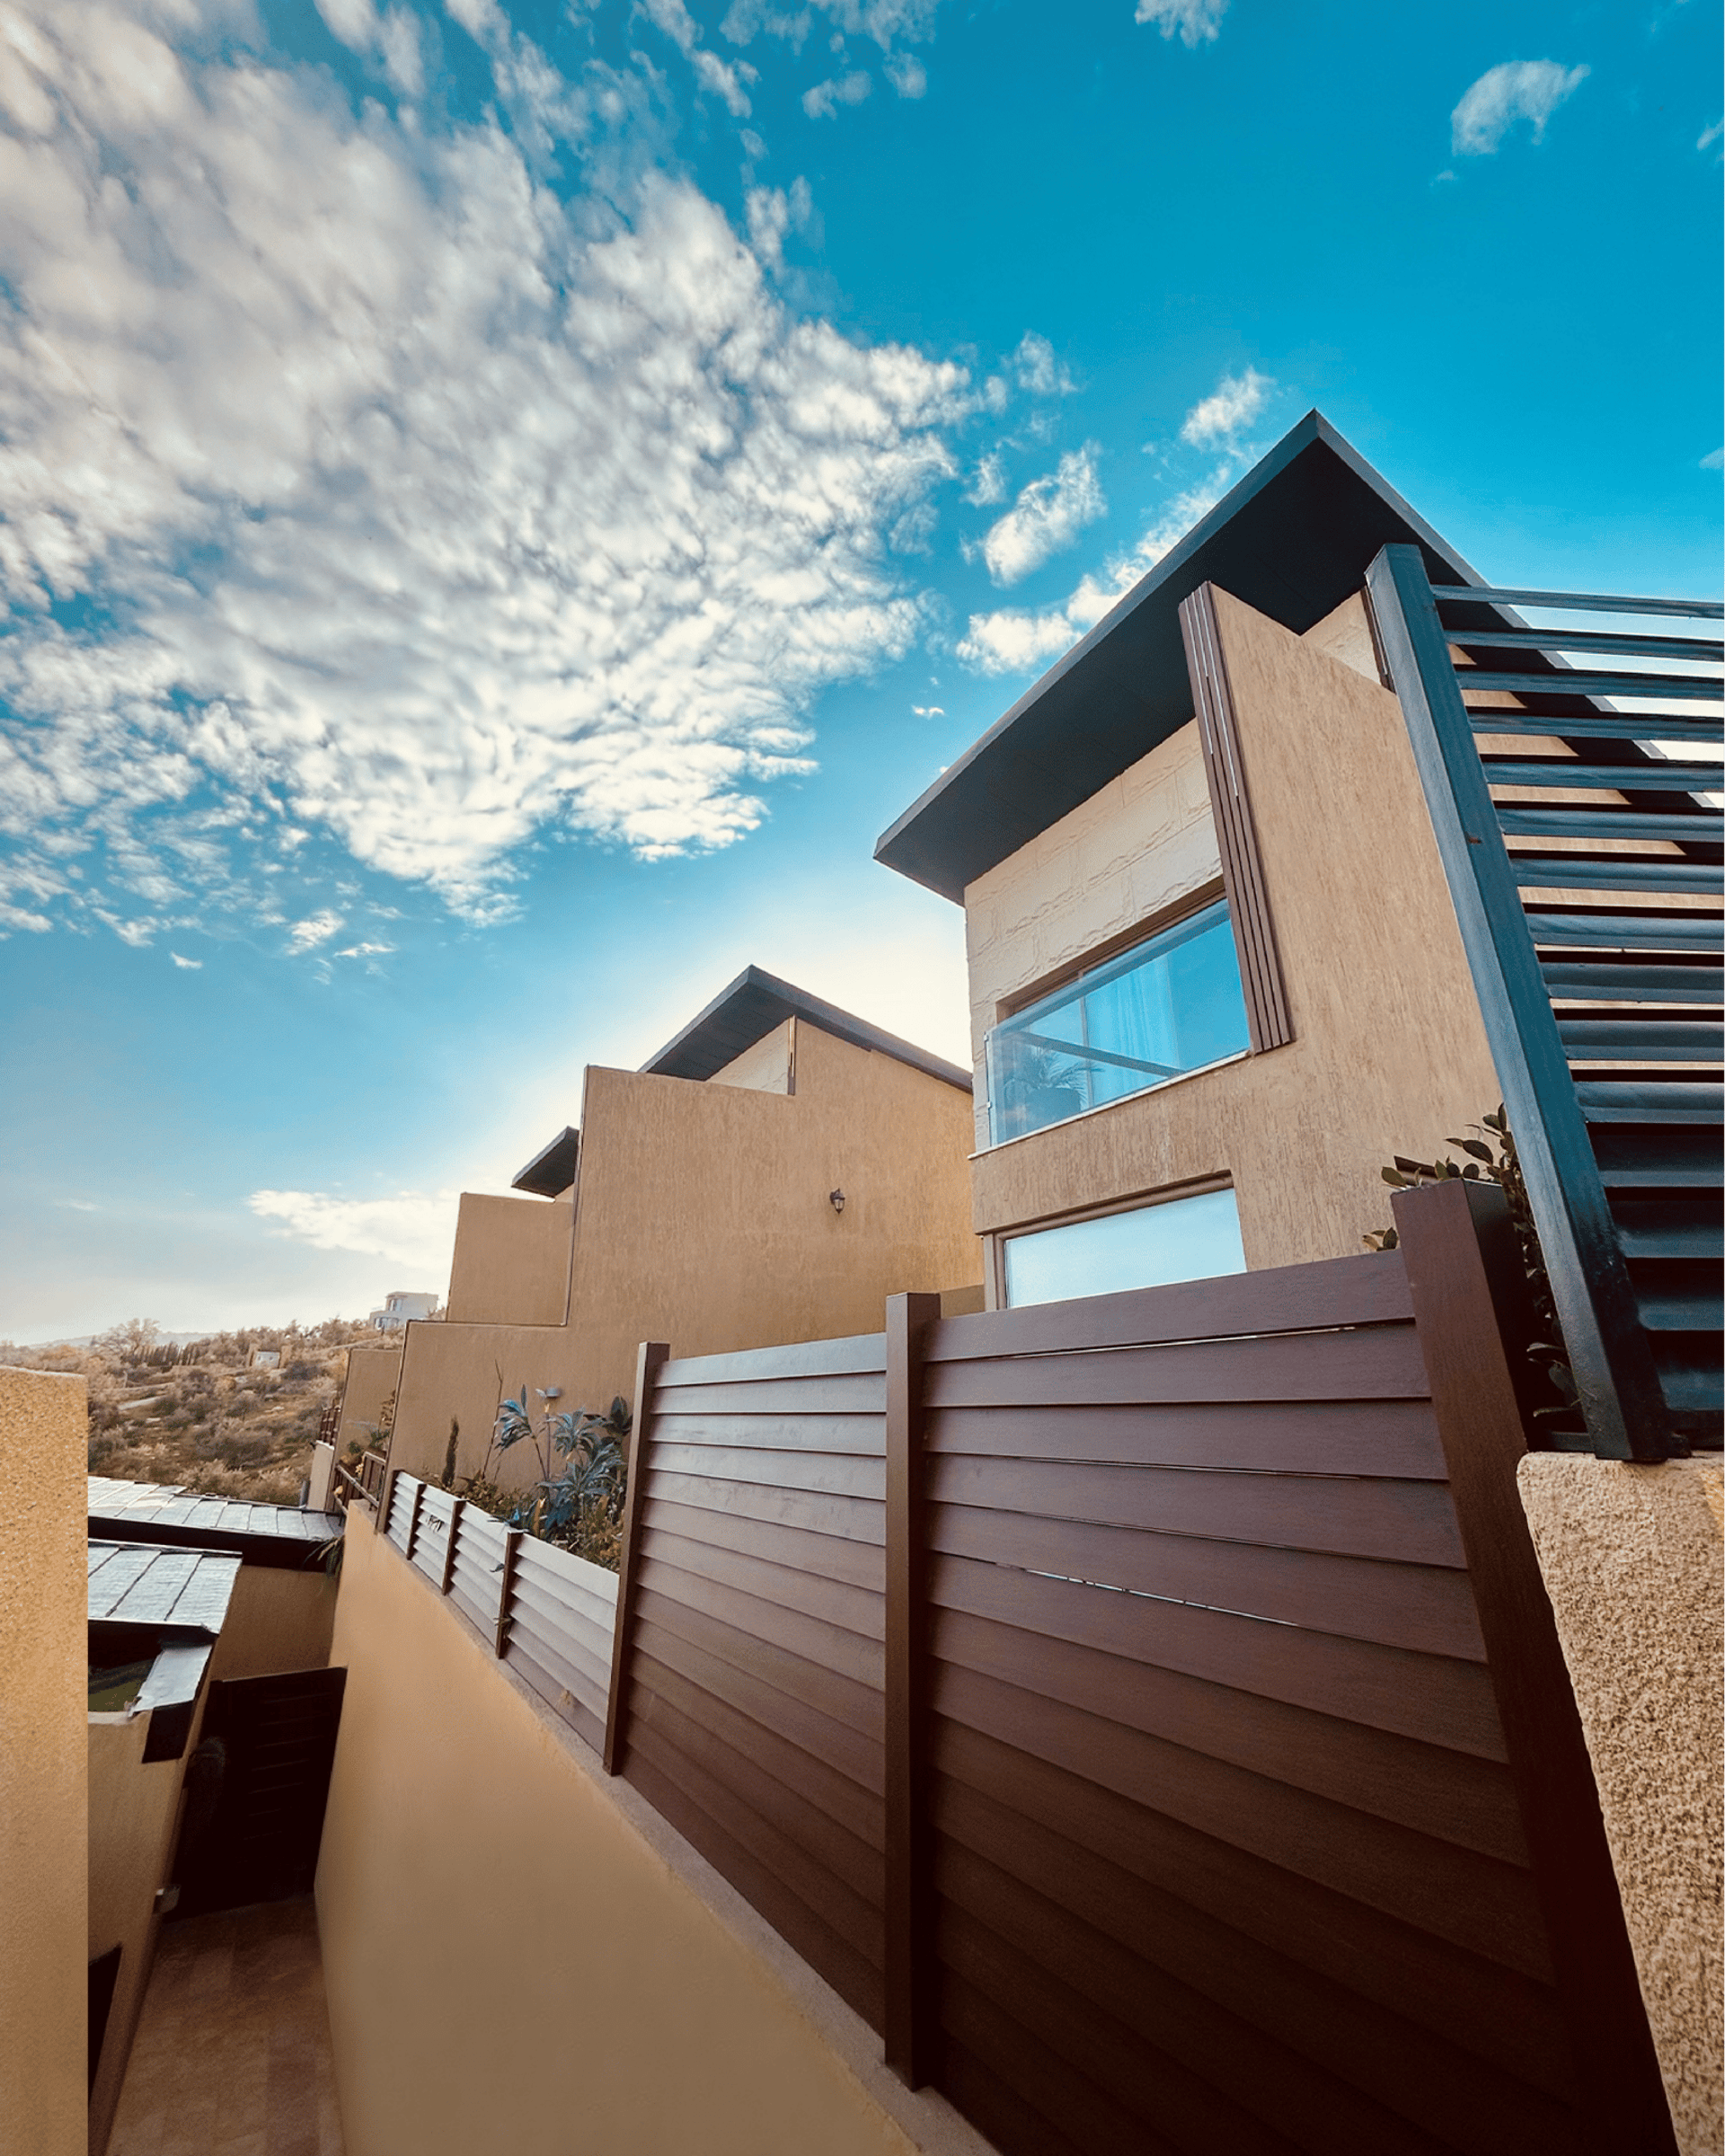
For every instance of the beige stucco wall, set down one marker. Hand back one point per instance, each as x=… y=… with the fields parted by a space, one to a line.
x=1631 y=1558
x=134 y=1809
x=276 y=1622
x=511 y=1261
x=516 y=1960
x=1389 y=1054
x=704 y=1219
x=765 y=1068
x=44 y=1762
x=373 y=1374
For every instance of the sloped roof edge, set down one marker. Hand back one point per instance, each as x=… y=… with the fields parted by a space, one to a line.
x=1292 y=538
x=752 y=1005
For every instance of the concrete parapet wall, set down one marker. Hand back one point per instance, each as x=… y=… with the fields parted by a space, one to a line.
x=1631 y=1558
x=44 y=1764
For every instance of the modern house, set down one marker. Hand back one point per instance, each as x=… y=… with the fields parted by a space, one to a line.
x=401 y=1309
x=772 y=1174
x=1218 y=977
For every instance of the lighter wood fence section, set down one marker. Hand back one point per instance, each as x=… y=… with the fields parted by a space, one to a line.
x=752 y=1712
x=551 y=1615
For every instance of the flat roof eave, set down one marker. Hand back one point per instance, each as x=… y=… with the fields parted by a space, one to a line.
x=1293 y=539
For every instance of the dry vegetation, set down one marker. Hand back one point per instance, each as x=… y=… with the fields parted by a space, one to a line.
x=203 y=1415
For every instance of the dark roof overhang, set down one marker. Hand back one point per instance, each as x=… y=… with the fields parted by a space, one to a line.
x=753 y=1005
x=551 y=1170
x=1293 y=540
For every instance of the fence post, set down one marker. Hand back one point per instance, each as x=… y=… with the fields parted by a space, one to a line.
x=413 y=1522
x=651 y=1355
x=449 y=1553
x=511 y=1543
x=909 y=1991
x=1464 y=1273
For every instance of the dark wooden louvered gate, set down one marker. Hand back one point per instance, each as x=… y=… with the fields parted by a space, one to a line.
x=1585 y=864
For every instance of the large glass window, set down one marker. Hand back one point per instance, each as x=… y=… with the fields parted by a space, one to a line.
x=1181 y=1239
x=1171 y=1004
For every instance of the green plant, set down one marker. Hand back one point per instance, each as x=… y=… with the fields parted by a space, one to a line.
x=1492 y=1158
x=579 y=1508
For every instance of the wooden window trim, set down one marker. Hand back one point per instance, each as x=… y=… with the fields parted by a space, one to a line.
x=1242 y=873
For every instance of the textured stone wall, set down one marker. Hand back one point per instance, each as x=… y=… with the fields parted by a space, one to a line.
x=1631 y=1558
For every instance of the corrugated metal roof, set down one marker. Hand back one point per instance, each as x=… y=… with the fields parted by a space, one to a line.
x=144 y=1583
x=169 y=1505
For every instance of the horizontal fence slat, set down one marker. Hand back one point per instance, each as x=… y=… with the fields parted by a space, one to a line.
x=858 y=1352
x=566 y=1572
x=585 y=1647
x=811 y=1593
x=861 y=1396
x=1022 y=1624
x=864 y=1434
x=854 y=1519
x=823 y=1645
x=828 y=1851
x=1427 y=1607
x=1412 y=1522
x=855 y=1979
x=1377 y=1362
x=1395 y=1438
x=1295 y=1298
x=860 y=1706
x=552 y=1685
x=1450 y=1796
x=858 y=1757
x=1133 y=1872
x=832 y=1556
x=840 y=1474
x=1480 y=1903
x=861 y=1811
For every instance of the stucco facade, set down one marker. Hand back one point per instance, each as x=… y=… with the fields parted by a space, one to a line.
x=1631 y=1558
x=44 y=1764
x=511 y=1261
x=703 y=1215
x=1389 y=1053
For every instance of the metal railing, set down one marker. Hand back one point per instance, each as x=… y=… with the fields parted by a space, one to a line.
x=1584 y=862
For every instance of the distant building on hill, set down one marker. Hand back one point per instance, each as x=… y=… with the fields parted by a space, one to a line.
x=400 y=1309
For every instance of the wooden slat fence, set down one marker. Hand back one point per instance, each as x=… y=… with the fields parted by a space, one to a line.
x=1144 y=1711
x=546 y=1612
x=752 y=1717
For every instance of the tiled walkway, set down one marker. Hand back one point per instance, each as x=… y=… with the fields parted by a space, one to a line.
x=232 y=2056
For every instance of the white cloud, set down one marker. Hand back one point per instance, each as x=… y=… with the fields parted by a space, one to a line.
x=927 y=711
x=187 y=965
x=1038 y=369
x=888 y=23
x=1713 y=461
x=318 y=928
x=363 y=951
x=906 y=75
x=726 y=78
x=1234 y=402
x=1530 y=90
x=415 y=1230
x=824 y=100
x=411 y=505
x=1046 y=518
x=1015 y=639
x=1196 y=22
x=988 y=481
x=1709 y=136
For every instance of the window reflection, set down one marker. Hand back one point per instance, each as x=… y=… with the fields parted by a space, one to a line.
x=1169 y=1005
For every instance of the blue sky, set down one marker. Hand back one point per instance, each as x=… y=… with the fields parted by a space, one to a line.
x=502 y=507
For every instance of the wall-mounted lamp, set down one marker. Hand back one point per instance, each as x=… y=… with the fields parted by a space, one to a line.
x=549 y=1391
x=836 y=1199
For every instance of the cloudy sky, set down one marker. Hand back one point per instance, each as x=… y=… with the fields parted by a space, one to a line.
x=500 y=507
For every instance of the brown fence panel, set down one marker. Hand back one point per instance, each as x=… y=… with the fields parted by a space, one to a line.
x=1226 y=1854
x=750 y=1709
x=558 y=1627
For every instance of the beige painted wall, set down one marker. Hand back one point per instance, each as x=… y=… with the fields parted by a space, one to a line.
x=511 y=1261
x=44 y=1762
x=518 y=1957
x=373 y=1374
x=134 y=1809
x=1389 y=1054
x=1631 y=1558
x=276 y=1622
x=704 y=1219
x=766 y=1067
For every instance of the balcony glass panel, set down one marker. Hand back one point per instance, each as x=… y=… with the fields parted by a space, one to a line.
x=1169 y=1005
x=1181 y=1239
